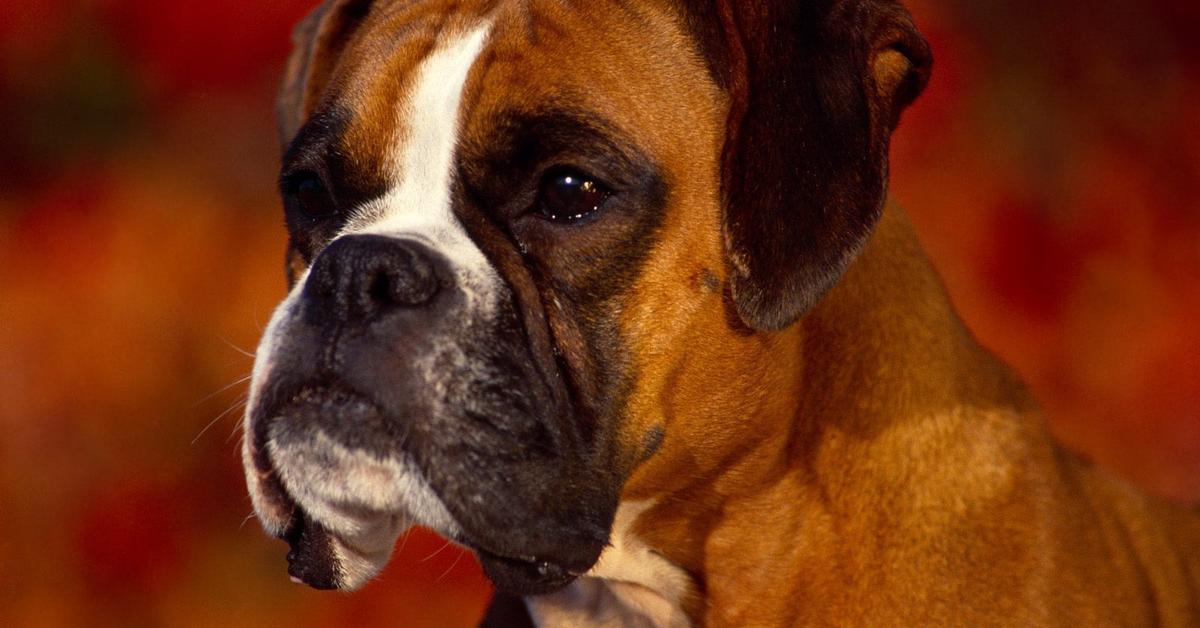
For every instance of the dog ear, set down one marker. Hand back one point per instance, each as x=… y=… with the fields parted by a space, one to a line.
x=316 y=42
x=816 y=88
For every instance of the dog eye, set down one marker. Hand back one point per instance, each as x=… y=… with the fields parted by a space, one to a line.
x=568 y=195
x=308 y=195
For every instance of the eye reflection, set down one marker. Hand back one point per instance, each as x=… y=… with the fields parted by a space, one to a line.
x=568 y=195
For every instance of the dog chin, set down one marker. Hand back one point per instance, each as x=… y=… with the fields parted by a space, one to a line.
x=348 y=516
x=340 y=509
x=324 y=559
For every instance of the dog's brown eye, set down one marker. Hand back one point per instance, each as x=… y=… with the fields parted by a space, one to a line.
x=568 y=195
x=308 y=195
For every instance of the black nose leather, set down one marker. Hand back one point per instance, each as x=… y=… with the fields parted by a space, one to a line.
x=361 y=277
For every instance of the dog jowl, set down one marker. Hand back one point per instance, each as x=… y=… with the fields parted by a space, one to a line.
x=475 y=193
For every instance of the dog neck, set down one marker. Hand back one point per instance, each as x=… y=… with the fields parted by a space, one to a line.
x=753 y=443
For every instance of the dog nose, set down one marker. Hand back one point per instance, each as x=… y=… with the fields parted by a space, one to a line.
x=359 y=277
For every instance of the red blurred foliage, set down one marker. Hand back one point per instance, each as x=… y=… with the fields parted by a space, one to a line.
x=58 y=226
x=1052 y=170
x=185 y=48
x=131 y=539
x=1031 y=265
x=27 y=28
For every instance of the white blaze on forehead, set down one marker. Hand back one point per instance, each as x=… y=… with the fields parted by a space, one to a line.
x=431 y=119
x=422 y=160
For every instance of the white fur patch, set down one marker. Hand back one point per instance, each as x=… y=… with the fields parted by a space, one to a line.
x=343 y=488
x=366 y=501
x=631 y=585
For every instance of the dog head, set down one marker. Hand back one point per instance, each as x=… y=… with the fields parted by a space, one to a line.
x=508 y=223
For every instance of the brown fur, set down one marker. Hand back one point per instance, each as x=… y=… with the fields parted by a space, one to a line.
x=870 y=465
x=879 y=468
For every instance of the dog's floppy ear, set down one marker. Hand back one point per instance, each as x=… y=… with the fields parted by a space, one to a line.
x=316 y=42
x=816 y=88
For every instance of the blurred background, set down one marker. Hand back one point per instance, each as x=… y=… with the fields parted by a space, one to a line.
x=1052 y=170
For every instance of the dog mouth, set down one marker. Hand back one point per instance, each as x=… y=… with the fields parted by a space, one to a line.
x=318 y=558
x=340 y=542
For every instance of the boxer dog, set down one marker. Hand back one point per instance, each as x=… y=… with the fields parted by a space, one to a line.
x=607 y=293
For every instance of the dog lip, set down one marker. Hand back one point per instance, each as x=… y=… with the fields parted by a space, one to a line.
x=473 y=543
x=310 y=556
x=275 y=506
x=287 y=395
x=479 y=548
x=544 y=566
x=523 y=576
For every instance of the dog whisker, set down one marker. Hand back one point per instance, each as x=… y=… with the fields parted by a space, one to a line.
x=240 y=380
x=438 y=551
x=240 y=350
x=238 y=428
x=241 y=402
x=452 y=566
x=404 y=540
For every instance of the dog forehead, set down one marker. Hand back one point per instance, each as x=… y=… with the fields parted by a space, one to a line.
x=591 y=55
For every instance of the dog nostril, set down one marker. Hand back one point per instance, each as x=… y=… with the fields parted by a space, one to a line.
x=381 y=288
x=397 y=282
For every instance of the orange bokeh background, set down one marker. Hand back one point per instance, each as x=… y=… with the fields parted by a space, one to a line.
x=1052 y=170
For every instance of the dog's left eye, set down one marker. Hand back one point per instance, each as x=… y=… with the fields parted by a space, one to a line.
x=308 y=195
x=568 y=195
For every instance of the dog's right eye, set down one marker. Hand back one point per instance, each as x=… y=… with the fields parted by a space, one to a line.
x=307 y=194
x=568 y=195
